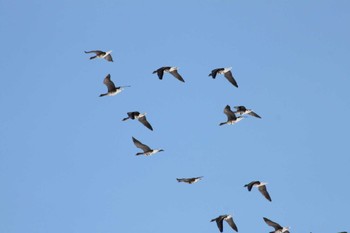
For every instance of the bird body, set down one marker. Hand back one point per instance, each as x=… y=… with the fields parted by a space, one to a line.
x=231 y=117
x=147 y=151
x=278 y=227
x=140 y=117
x=189 y=180
x=242 y=110
x=168 y=69
x=112 y=89
x=100 y=54
x=261 y=186
x=226 y=72
x=228 y=218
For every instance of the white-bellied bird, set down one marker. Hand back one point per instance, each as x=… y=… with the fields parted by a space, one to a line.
x=140 y=117
x=228 y=218
x=231 y=117
x=111 y=88
x=189 y=180
x=100 y=54
x=261 y=186
x=226 y=72
x=146 y=149
x=168 y=69
x=278 y=227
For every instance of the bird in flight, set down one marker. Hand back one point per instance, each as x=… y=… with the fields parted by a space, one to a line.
x=100 y=54
x=231 y=117
x=226 y=72
x=168 y=69
x=112 y=89
x=189 y=180
x=278 y=227
x=261 y=186
x=228 y=218
x=140 y=117
x=146 y=149
x=243 y=110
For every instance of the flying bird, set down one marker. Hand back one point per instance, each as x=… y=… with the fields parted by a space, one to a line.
x=168 y=69
x=278 y=227
x=112 y=89
x=231 y=117
x=226 y=72
x=189 y=180
x=228 y=218
x=261 y=186
x=140 y=117
x=101 y=54
x=243 y=110
x=146 y=149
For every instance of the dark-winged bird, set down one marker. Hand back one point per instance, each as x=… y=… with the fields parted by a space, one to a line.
x=278 y=227
x=140 y=117
x=168 y=69
x=243 y=110
x=101 y=54
x=226 y=72
x=146 y=149
x=228 y=218
x=112 y=89
x=231 y=117
x=189 y=180
x=261 y=186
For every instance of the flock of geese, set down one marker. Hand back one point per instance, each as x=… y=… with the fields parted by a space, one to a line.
x=232 y=118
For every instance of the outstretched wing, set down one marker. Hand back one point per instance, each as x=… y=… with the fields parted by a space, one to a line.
x=264 y=192
x=214 y=72
x=97 y=52
x=228 y=75
x=251 y=184
x=108 y=82
x=230 y=115
x=144 y=121
x=273 y=224
x=177 y=75
x=230 y=222
x=254 y=114
x=109 y=57
x=138 y=144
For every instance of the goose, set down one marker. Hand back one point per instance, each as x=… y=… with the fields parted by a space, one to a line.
x=101 y=54
x=189 y=180
x=140 y=117
x=243 y=110
x=231 y=117
x=228 y=218
x=278 y=227
x=112 y=90
x=261 y=186
x=168 y=69
x=146 y=150
x=226 y=72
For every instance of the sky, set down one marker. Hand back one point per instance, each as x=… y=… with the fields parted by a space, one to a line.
x=67 y=161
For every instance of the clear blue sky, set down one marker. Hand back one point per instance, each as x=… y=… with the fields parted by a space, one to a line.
x=67 y=161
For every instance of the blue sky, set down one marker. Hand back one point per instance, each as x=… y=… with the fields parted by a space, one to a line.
x=67 y=161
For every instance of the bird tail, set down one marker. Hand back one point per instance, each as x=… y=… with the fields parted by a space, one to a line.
x=178 y=180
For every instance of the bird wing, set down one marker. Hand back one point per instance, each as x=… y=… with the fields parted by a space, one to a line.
x=214 y=72
x=108 y=82
x=230 y=222
x=228 y=75
x=160 y=73
x=254 y=114
x=264 y=192
x=273 y=224
x=97 y=52
x=219 y=223
x=138 y=144
x=240 y=108
x=230 y=115
x=109 y=57
x=144 y=121
x=177 y=75
x=251 y=184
